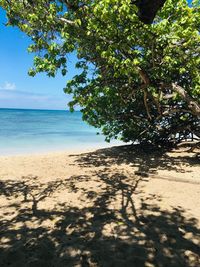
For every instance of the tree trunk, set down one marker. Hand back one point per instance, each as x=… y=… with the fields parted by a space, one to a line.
x=147 y=9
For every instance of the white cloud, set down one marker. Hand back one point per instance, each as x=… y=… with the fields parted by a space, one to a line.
x=8 y=86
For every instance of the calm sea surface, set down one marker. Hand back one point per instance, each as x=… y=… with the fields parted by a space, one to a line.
x=32 y=131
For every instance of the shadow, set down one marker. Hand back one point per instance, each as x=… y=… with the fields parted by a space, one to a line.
x=106 y=222
x=147 y=159
x=29 y=190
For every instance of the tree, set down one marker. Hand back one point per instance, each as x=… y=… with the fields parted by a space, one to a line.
x=138 y=82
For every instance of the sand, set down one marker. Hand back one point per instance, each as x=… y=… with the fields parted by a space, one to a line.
x=119 y=206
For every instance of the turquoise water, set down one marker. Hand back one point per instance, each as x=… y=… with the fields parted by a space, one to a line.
x=27 y=131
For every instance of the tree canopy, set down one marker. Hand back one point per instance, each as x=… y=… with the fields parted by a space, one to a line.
x=137 y=82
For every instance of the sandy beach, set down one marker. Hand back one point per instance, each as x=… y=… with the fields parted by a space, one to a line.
x=118 y=206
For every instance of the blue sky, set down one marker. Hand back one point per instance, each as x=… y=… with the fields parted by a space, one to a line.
x=17 y=89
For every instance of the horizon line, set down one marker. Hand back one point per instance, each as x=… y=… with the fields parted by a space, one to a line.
x=40 y=109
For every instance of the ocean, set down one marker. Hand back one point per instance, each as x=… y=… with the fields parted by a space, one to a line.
x=25 y=131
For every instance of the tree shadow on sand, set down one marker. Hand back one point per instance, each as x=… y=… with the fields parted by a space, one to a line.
x=104 y=225
x=147 y=159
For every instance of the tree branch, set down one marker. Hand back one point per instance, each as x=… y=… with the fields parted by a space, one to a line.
x=67 y=21
x=193 y=105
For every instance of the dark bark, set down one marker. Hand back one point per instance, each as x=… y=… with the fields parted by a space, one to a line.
x=147 y=9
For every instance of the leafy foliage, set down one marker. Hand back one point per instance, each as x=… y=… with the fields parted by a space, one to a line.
x=137 y=82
